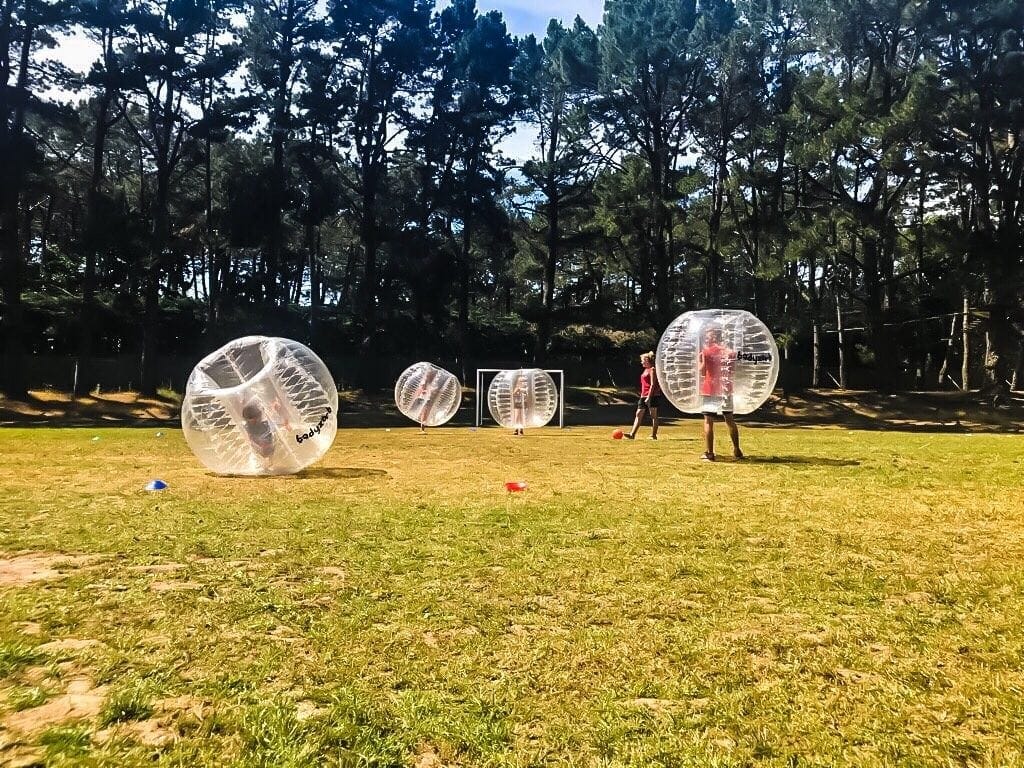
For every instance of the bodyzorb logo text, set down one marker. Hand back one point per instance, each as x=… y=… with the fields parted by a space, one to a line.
x=314 y=430
x=755 y=357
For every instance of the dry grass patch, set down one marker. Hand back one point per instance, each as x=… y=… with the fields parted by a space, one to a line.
x=27 y=567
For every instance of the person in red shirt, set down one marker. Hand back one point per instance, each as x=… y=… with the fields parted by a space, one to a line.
x=716 y=363
x=650 y=397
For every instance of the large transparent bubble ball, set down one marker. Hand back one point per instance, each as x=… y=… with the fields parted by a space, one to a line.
x=427 y=394
x=743 y=361
x=523 y=398
x=260 y=406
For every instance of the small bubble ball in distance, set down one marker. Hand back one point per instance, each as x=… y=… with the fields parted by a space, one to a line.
x=427 y=394
x=523 y=398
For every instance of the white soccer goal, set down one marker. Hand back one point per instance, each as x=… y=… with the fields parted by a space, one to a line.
x=481 y=393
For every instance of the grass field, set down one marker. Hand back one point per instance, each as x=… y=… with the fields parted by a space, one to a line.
x=841 y=598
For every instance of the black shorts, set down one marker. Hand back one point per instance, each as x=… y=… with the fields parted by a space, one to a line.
x=643 y=405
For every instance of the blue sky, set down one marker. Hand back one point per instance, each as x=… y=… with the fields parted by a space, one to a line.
x=525 y=16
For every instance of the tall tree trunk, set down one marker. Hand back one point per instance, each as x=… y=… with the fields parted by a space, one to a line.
x=714 y=270
x=875 y=315
x=550 y=266
x=950 y=342
x=840 y=335
x=151 y=286
x=1018 y=370
x=13 y=156
x=463 y=296
x=371 y=247
x=965 y=366
x=87 y=318
x=315 y=287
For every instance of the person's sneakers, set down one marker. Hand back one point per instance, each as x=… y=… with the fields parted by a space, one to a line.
x=707 y=456
x=738 y=455
x=628 y=436
x=654 y=437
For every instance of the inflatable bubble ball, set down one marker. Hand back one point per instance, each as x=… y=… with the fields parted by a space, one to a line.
x=260 y=406
x=523 y=398
x=717 y=360
x=427 y=394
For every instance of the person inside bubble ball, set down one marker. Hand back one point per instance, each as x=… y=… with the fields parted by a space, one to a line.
x=650 y=397
x=519 y=394
x=424 y=398
x=716 y=362
x=261 y=433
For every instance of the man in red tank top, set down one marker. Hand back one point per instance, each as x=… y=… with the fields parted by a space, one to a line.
x=716 y=363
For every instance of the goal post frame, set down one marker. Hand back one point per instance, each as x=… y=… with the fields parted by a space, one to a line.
x=481 y=396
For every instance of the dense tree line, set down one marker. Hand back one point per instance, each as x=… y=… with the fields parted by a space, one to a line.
x=850 y=170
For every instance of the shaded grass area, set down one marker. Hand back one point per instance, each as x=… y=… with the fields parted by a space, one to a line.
x=842 y=597
x=866 y=410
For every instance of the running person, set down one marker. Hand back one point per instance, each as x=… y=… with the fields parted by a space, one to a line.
x=717 y=362
x=650 y=397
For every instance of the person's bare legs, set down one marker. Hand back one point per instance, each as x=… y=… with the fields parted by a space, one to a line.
x=734 y=434
x=637 y=421
x=654 y=423
x=709 y=436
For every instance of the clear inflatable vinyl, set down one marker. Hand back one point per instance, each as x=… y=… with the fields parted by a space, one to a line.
x=260 y=406
x=522 y=398
x=717 y=360
x=427 y=394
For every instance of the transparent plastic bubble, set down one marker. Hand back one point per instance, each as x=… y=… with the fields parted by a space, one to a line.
x=742 y=361
x=427 y=394
x=260 y=406
x=523 y=398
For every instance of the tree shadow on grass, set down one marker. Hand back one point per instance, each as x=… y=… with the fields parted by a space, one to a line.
x=339 y=473
x=807 y=460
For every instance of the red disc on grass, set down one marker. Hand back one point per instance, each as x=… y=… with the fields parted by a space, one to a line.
x=515 y=485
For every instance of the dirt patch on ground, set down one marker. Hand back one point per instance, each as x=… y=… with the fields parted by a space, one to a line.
x=427 y=756
x=656 y=706
x=175 y=586
x=159 y=730
x=81 y=701
x=156 y=568
x=68 y=644
x=29 y=567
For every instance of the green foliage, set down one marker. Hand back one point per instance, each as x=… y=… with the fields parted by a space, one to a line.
x=14 y=656
x=127 y=704
x=65 y=742
x=26 y=698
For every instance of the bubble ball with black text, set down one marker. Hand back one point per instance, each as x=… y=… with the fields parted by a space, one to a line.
x=717 y=361
x=260 y=405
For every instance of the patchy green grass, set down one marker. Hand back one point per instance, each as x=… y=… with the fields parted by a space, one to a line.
x=126 y=704
x=840 y=598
